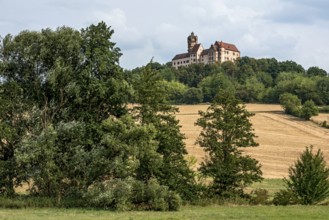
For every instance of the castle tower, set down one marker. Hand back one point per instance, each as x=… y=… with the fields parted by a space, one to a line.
x=191 y=41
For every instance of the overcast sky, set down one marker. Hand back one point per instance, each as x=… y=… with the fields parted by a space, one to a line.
x=295 y=30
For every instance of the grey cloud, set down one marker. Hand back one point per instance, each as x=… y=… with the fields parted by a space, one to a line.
x=299 y=12
x=146 y=28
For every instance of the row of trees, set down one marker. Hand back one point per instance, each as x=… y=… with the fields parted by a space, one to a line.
x=67 y=131
x=253 y=80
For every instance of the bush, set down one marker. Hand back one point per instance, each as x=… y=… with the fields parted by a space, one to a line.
x=309 y=178
x=127 y=194
x=284 y=197
x=159 y=198
x=290 y=103
x=308 y=110
x=259 y=196
x=115 y=194
x=325 y=124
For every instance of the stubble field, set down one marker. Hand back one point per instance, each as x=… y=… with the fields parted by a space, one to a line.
x=281 y=137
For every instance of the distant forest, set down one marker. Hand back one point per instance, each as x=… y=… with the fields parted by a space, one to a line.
x=252 y=80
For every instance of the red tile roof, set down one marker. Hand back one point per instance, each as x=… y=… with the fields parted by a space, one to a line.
x=226 y=46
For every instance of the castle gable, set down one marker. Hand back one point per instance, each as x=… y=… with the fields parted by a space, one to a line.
x=196 y=48
x=226 y=46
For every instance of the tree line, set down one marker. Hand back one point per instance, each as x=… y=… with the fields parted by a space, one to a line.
x=75 y=126
x=253 y=80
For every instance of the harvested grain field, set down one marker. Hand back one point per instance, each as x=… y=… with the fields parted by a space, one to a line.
x=281 y=137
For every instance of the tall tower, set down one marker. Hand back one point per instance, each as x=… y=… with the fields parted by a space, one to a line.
x=191 y=41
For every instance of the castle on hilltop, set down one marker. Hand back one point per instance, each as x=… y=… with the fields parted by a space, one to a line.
x=218 y=52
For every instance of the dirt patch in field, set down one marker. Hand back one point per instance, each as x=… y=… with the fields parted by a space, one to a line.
x=281 y=137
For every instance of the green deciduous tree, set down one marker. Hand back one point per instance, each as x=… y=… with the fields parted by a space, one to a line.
x=290 y=103
x=193 y=96
x=308 y=110
x=225 y=129
x=153 y=109
x=210 y=85
x=309 y=178
x=67 y=82
x=322 y=87
x=13 y=125
x=316 y=71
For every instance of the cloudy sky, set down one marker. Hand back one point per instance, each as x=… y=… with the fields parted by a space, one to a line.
x=295 y=30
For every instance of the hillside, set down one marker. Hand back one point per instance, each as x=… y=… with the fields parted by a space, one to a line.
x=281 y=137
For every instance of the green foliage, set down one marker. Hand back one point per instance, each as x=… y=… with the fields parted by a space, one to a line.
x=299 y=85
x=290 y=66
x=12 y=128
x=226 y=128
x=322 y=86
x=253 y=80
x=193 y=74
x=116 y=194
x=126 y=194
x=259 y=197
x=193 y=96
x=154 y=110
x=230 y=69
x=252 y=91
x=126 y=149
x=316 y=71
x=176 y=91
x=308 y=110
x=324 y=109
x=285 y=197
x=212 y=84
x=56 y=89
x=290 y=103
x=308 y=178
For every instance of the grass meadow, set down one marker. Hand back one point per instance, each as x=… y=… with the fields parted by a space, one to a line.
x=187 y=212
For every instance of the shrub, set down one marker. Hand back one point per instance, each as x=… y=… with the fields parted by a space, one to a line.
x=127 y=194
x=115 y=194
x=160 y=198
x=284 y=197
x=308 y=110
x=259 y=196
x=325 y=124
x=290 y=103
x=309 y=178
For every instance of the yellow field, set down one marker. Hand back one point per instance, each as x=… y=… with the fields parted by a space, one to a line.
x=281 y=137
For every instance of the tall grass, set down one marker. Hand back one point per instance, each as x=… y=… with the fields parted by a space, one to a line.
x=26 y=201
x=187 y=212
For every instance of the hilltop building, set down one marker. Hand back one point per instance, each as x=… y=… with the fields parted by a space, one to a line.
x=218 y=52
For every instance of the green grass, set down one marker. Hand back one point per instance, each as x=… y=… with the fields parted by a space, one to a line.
x=187 y=212
x=271 y=185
